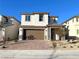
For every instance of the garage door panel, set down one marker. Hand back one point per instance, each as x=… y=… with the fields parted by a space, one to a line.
x=36 y=34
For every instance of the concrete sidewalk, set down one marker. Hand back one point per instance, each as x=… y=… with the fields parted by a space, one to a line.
x=39 y=54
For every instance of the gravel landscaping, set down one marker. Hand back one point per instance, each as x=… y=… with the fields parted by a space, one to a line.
x=66 y=45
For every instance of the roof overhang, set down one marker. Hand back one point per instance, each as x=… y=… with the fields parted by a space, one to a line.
x=55 y=26
x=33 y=27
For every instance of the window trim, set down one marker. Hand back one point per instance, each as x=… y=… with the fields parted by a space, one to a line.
x=28 y=18
x=41 y=17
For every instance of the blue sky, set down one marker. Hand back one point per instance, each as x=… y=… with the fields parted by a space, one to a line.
x=62 y=8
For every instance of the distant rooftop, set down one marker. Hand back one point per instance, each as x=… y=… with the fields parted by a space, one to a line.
x=70 y=19
x=8 y=17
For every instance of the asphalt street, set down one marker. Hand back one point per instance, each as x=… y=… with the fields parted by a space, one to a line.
x=39 y=54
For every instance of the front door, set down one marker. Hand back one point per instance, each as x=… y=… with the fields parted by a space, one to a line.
x=52 y=34
x=24 y=34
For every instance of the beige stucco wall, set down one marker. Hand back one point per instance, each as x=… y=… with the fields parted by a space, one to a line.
x=11 y=32
x=73 y=27
x=46 y=34
x=34 y=20
x=20 y=34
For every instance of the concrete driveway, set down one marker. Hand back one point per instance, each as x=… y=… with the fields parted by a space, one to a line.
x=28 y=45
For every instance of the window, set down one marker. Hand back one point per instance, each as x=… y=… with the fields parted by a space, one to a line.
x=67 y=27
x=6 y=20
x=67 y=22
x=76 y=19
x=27 y=18
x=54 y=21
x=77 y=31
x=73 y=20
x=41 y=17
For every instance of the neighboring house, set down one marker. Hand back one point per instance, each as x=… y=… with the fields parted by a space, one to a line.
x=39 y=26
x=72 y=25
x=9 y=27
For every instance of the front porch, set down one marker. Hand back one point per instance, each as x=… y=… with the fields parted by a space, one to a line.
x=55 y=32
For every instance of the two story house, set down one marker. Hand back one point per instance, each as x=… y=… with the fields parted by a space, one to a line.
x=72 y=24
x=9 y=27
x=39 y=26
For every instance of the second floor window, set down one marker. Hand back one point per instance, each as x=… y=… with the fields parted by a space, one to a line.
x=27 y=18
x=40 y=17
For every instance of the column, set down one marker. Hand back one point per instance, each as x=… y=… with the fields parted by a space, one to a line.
x=3 y=33
x=57 y=37
x=45 y=34
x=49 y=33
x=20 y=33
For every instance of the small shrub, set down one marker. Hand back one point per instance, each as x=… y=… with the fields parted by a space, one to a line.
x=54 y=44
x=77 y=46
x=4 y=46
x=60 y=45
x=64 y=46
x=71 y=46
x=51 y=47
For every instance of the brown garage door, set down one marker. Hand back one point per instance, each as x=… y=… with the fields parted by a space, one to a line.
x=35 y=34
